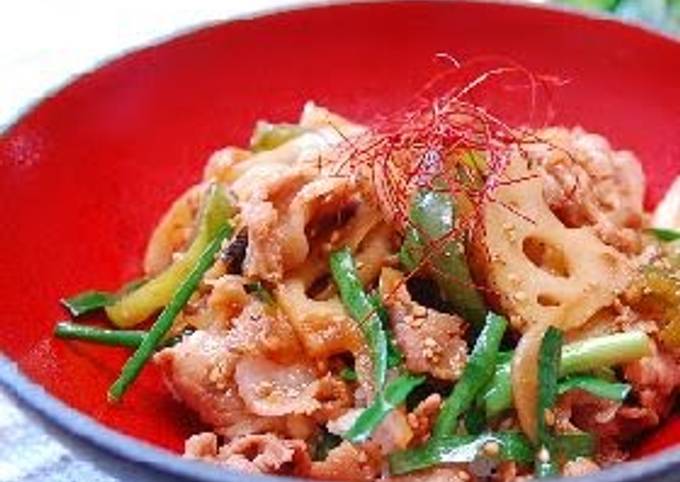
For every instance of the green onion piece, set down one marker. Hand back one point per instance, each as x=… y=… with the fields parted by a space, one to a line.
x=475 y=419
x=609 y=350
x=362 y=310
x=395 y=394
x=591 y=4
x=162 y=325
x=412 y=250
x=461 y=449
x=477 y=373
x=604 y=373
x=596 y=386
x=433 y=217
x=88 y=301
x=395 y=357
x=514 y=446
x=548 y=372
x=498 y=395
x=665 y=235
x=104 y=336
x=583 y=356
x=268 y=136
x=72 y=331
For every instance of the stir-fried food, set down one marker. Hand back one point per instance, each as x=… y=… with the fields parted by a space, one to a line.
x=437 y=297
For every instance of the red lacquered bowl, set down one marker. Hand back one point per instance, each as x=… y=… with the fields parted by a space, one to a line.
x=85 y=174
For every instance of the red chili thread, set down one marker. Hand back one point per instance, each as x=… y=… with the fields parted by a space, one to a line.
x=453 y=115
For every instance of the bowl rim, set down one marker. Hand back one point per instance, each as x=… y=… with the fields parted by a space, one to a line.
x=53 y=411
x=286 y=7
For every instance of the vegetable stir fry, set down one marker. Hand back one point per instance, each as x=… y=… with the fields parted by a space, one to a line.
x=438 y=296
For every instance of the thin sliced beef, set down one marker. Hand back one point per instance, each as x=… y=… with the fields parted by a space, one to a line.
x=393 y=433
x=655 y=381
x=202 y=446
x=432 y=342
x=422 y=418
x=587 y=183
x=579 y=467
x=265 y=454
x=200 y=369
x=349 y=462
x=270 y=389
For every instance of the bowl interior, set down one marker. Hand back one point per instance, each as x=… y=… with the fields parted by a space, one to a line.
x=85 y=175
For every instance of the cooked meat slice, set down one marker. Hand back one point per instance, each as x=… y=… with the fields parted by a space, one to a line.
x=655 y=381
x=314 y=201
x=349 y=462
x=334 y=397
x=432 y=342
x=613 y=423
x=579 y=410
x=587 y=183
x=393 y=433
x=579 y=466
x=227 y=298
x=266 y=454
x=200 y=369
x=271 y=389
x=323 y=327
x=223 y=164
x=263 y=255
x=201 y=446
x=422 y=418
x=199 y=373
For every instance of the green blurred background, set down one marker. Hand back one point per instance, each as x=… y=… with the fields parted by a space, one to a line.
x=661 y=14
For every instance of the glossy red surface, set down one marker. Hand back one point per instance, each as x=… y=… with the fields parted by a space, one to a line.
x=85 y=175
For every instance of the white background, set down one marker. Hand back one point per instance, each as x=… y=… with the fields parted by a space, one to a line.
x=43 y=43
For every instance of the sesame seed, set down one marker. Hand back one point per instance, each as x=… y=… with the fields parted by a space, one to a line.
x=491 y=449
x=417 y=322
x=520 y=296
x=419 y=311
x=544 y=455
x=549 y=417
x=510 y=231
x=264 y=389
